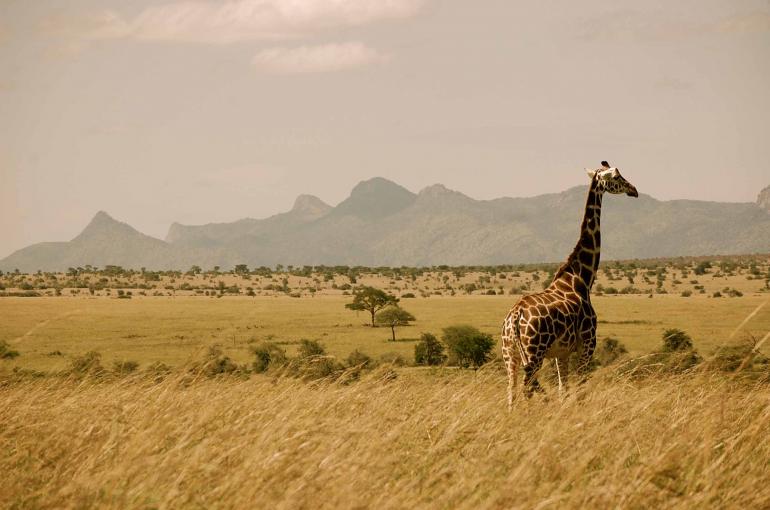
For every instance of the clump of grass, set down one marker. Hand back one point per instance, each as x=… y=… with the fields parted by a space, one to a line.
x=676 y=355
x=87 y=365
x=360 y=359
x=742 y=356
x=312 y=368
x=393 y=358
x=609 y=350
x=214 y=363
x=124 y=367
x=6 y=352
x=308 y=348
x=267 y=355
x=157 y=370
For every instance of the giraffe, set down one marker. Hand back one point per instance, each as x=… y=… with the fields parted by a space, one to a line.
x=560 y=320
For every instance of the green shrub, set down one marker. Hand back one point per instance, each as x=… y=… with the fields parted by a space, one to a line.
x=429 y=351
x=676 y=340
x=6 y=352
x=686 y=293
x=609 y=350
x=215 y=363
x=467 y=346
x=266 y=355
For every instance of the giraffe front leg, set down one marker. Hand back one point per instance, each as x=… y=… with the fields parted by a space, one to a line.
x=584 y=361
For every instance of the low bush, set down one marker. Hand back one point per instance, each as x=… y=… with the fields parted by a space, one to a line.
x=467 y=346
x=360 y=359
x=308 y=348
x=429 y=351
x=676 y=340
x=267 y=355
x=609 y=350
x=215 y=363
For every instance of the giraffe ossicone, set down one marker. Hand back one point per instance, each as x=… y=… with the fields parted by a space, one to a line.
x=560 y=320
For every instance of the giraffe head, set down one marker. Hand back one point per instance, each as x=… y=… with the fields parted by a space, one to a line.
x=609 y=179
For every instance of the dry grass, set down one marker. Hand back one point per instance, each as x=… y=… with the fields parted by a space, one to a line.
x=428 y=438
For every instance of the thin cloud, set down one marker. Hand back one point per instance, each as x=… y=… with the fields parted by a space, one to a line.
x=316 y=59
x=746 y=23
x=638 y=25
x=248 y=20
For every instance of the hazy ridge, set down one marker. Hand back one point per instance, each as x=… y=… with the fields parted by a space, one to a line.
x=382 y=223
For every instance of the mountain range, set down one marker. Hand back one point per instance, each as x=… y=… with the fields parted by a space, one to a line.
x=383 y=224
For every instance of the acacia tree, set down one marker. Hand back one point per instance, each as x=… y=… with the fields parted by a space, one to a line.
x=393 y=316
x=372 y=300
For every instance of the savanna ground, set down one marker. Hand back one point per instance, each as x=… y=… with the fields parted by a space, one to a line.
x=637 y=434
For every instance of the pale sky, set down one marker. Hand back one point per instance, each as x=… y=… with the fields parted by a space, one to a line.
x=209 y=111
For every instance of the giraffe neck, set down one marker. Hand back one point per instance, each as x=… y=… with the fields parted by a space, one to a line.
x=584 y=259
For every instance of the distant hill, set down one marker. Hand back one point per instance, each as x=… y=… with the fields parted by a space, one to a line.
x=382 y=223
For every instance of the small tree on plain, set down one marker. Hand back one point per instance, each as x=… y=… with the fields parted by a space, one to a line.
x=429 y=351
x=393 y=316
x=371 y=300
x=467 y=345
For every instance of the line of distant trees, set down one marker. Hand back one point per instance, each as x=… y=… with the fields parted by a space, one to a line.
x=700 y=265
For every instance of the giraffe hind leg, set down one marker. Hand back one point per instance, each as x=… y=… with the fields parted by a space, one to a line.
x=531 y=384
x=510 y=358
x=513 y=374
x=562 y=371
x=584 y=361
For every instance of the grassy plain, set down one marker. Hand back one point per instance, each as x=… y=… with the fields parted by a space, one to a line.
x=398 y=438
x=173 y=330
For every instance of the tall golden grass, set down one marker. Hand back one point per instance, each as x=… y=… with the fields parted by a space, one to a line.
x=425 y=439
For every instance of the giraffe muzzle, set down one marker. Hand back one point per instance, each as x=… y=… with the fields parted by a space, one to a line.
x=632 y=192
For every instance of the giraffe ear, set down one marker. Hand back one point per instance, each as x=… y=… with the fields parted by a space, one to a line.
x=591 y=173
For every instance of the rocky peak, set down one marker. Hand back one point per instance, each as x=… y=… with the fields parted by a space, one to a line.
x=763 y=199
x=375 y=198
x=310 y=207
x=101 y=222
